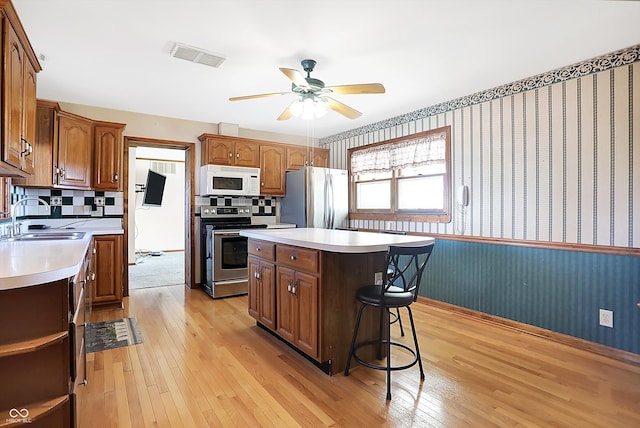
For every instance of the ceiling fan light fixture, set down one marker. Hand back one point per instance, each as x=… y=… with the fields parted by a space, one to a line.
x=308 y=108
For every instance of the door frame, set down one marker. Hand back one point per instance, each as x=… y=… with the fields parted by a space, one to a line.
x=189 y=172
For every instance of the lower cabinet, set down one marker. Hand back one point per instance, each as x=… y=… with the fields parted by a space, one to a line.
x=43 y=352
x=306 y=297
x=262 y=304
x=297 y=298
x=109 y=270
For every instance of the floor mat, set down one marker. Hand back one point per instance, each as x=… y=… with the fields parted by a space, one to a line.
x=112 y=334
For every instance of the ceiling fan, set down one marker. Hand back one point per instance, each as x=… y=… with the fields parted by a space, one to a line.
x=313 y=96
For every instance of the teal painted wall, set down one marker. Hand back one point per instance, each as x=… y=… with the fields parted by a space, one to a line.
x=558 y=290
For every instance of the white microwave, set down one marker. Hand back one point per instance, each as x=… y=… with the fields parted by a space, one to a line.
x=229 y=180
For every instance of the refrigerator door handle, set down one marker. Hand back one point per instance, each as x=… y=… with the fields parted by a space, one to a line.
x=330 y=201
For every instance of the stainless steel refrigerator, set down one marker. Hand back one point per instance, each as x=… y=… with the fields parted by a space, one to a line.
x=316 y=197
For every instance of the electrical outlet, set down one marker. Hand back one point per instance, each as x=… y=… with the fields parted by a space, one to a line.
x=99 y=201
x=377 y=278
x=261 y=202
x=606 y=318
x=55 y=201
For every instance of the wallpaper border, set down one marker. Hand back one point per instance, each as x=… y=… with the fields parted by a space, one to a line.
x=591 y=66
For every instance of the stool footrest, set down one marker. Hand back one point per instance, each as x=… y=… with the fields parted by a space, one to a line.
x=383 y=342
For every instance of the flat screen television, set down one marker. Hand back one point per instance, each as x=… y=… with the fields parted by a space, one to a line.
x=154 y=189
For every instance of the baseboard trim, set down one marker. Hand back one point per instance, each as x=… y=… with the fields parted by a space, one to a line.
x=607 y=351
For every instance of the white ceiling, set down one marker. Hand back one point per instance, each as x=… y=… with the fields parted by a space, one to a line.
x=115 y=53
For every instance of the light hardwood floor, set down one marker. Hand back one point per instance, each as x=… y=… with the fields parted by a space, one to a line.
x=205 y=363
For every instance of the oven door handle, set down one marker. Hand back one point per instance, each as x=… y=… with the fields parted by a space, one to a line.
x=226 y=233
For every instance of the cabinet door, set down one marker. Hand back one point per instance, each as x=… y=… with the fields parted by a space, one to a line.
x=320 y=158
x=306 y=297
x=253 y=267
x=218 y=152
x=13 y=98
x=286 y=304
x=247 y=154
x=108 y=283
x=272 y=170
x=29 y=117
x=108 y=146
x=268 y=295
x=74 y=152
x=296 y=158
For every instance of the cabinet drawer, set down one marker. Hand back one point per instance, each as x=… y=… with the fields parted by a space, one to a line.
x=299 y=258
x=262 y=249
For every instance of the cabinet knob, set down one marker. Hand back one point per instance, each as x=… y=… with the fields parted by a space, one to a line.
x=293 y=257
x=115 y=177
x=258 y=249
x=237 y=155
x=230 y=155
x=289 y=287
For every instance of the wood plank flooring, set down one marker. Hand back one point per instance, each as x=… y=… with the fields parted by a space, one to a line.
x=204 y=363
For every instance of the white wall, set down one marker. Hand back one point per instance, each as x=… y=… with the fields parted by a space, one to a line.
x=159 y=228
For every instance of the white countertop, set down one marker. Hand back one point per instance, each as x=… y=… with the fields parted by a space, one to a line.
x=27 y=263
x=338 y=241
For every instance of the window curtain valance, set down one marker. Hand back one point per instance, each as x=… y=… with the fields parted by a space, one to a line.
x=411 y=153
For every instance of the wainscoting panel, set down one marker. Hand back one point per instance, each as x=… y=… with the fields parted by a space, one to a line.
x=558 y=290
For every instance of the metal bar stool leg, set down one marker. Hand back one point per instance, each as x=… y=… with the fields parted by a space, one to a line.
x=353 y=340
x=388 y=354
x=415 y=340
x=400 y=322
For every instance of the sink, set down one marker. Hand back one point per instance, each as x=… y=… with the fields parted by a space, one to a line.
x=47 y=236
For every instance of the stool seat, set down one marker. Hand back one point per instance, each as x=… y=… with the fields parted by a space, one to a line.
x=399 y=290
x=395 y=297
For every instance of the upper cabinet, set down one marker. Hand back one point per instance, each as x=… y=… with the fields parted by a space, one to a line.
x=300 y=156
x=74 y=152
x=272 y=163
x=19 y=97
x=72 y=163
x=274 y=159
x=224 y=150
x=107 y=158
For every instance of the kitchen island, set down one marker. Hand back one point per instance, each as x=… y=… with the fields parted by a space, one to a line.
x=303 y=282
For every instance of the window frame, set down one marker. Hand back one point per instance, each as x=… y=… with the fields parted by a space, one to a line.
x=434 y=216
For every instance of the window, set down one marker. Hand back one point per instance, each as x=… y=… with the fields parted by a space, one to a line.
x=406 y=178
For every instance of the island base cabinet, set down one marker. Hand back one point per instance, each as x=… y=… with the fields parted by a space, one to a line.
x=314 y=296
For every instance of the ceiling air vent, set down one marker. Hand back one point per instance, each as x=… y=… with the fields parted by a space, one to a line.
x=200 y=56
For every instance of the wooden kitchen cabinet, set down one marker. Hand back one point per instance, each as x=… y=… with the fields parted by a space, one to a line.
x=318 y=317
x=298 y=157
x=272 y=170
x=109 y=270
x=43 y=351
x=73 y=162
x=262 y=280
x=297 y=309
x=19 y=96
x=107 y=158
x=224 y=150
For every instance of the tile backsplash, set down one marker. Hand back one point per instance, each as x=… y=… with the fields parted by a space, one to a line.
x=260 y=205
x=73 y=202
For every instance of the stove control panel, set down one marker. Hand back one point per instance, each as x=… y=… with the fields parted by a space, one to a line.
x=212 y=212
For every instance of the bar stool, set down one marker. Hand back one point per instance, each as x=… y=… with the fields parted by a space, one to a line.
x=395 y=317
x=399 y=290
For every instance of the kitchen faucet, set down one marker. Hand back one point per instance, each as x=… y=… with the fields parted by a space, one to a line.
x=12 y=232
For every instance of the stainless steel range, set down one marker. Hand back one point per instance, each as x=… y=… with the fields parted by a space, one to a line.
x=223 y=251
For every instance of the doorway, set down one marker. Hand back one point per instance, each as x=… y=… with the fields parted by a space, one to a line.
x=158 y=233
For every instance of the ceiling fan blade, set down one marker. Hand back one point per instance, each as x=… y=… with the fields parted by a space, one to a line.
x=248 y=97
x=343 y=109
x=295 y=76
x=286 y=114
x=363 y=88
